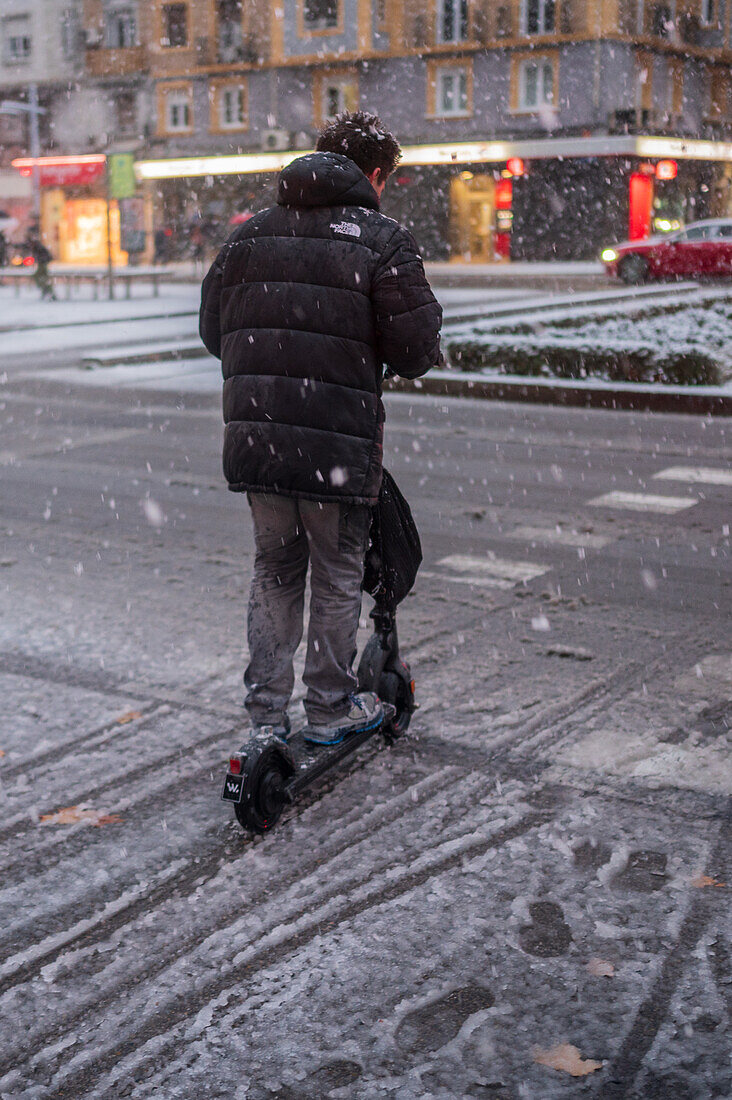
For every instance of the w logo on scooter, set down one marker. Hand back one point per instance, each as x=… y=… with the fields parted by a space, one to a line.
x=233 y=788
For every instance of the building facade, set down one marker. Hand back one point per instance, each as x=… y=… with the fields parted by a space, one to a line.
x=568 y=91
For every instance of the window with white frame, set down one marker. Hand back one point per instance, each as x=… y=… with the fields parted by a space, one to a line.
x=178 y=110
x=536 y=84
x=232 y=107
x=121 y=27
x=538 y=16
x=451 y=92
x=708 y=14
x=17 y=40
x=70 y=33
x=452 y=20
x=320 y=15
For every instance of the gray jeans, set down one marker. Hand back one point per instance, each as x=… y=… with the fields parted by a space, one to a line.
x=289 y=533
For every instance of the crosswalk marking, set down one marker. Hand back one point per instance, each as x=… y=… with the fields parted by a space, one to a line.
x=643 y=502
x=490 y=571
x=563 y=537
x=704 y=475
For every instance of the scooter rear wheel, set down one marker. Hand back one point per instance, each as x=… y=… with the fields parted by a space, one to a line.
x=265 y=796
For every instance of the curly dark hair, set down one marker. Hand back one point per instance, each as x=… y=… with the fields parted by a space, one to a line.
x=364 y=139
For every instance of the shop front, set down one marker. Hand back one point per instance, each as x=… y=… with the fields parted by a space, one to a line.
x=488 y=202
x=74 y=223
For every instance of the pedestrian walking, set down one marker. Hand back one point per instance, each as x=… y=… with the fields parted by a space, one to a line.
x=304 y=305
x=35 y=247
x=3 y=250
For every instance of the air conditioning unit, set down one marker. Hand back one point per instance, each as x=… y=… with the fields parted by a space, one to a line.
x=273 y=141
x=93 y=38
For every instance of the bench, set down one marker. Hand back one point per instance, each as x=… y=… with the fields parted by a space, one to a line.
x=69 y=277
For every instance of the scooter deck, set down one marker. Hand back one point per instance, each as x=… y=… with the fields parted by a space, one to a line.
x=313 y=761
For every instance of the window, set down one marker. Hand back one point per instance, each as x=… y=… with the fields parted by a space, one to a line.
x=319 y=15
x=338 y=96
x=707 y=12
x=229 y=29
x=178 y=110
x=452 y=92
x=640 y=17
x=232 y=107
x=537 y=16
x=536 y=85
x=126 y=108
x=663 y=21
x=699 y=233
x=175 y=26
x=452 y=20
x=17 y=41
x=70 y=33
x=121 y=28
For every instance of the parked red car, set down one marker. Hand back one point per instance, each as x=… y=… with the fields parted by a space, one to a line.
x=700 y=249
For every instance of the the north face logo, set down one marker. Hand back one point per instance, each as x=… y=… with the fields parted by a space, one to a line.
x=350 y=228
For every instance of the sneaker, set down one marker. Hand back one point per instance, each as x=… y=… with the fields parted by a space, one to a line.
x=366 y=713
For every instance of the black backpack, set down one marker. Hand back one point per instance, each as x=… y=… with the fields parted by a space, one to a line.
x=395 y=552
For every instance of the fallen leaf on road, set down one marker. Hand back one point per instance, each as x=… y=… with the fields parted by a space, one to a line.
x=73 y=815
x=130 y=716
x=566 y=1058
x=600 y=968
x=704 y=880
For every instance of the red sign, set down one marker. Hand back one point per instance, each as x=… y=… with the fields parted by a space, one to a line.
x=63 y=171
x=640 y=206
x=515 y=166
x=667 y=170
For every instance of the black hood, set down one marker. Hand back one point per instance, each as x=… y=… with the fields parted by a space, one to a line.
x=325 y=179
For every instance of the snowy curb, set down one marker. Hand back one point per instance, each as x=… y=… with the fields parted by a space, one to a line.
x=584 y=393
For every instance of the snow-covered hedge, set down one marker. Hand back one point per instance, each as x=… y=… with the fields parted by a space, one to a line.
x=531 y=356
x=691 y=346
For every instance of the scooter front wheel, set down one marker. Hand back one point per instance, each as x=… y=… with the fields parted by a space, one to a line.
x=399 y=692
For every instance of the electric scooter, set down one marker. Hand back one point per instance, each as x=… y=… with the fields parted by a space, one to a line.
x=270 y=772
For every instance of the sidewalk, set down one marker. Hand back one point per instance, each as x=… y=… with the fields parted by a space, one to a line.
x=559 y=275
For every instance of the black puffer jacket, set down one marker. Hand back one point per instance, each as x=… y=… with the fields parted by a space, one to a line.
x=304 y=304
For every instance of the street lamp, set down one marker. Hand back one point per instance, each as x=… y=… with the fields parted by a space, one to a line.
x=31 y=108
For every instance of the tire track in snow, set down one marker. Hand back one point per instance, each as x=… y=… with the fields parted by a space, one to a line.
x=82 y=1072
x=300 y=902
x=122 y=910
